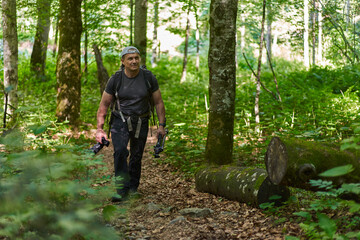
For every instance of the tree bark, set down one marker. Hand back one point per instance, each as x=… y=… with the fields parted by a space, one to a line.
x=258 y=75
x=246 y=185
x=197 y=36
x=187 y=33
x=140 y=28
x=320 y=47
x=86 y=42
x=10 y=48
x=293 y=162
x=131 y=21
x=222 y=78
x=155 y=42
x=268 y=34
x=56 y=35
x=348 y=7
x=313 y=20
x=68 y=62
x=306 y=34
x=103 y=75
x=38 y=55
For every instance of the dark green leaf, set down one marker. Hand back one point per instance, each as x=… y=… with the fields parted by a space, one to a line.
x=327 y=224
x=337 y=171
x=38 y=129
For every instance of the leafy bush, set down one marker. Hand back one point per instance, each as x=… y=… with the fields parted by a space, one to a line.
x=320 y=103
x=327 y=213
x=48 y=177
x=49 y=196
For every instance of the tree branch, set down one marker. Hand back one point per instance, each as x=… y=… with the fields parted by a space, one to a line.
x=341 y=32
x=247 y=62
x=258 y=79
x=273 y=72
x=344 y=53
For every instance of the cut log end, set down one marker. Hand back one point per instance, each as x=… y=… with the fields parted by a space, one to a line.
x=306 y=172
x=294 y=162
x=276 y=160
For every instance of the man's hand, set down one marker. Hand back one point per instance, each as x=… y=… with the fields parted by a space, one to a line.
x=100 y=133
x=161 y=131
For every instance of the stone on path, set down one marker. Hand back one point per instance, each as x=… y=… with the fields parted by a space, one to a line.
x=196 y=212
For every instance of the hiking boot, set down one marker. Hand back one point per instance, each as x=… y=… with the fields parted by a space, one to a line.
x=119 y=197
x=116 y=199
x=134 y=194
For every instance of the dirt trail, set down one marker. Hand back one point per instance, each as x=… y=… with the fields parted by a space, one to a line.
x=171 y=208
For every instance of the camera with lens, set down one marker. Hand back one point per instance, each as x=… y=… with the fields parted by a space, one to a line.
x=98 y=146
x=159 y=147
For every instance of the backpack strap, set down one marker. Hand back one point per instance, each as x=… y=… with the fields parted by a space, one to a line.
x=147 y=78
x=147 y=75
x=120 y=78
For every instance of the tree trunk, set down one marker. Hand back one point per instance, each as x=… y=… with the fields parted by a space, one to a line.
x=313 y=19
x=140 y=28
x=306 y=34
x=10 y=49
x=348 y=8
x=183 y=75
x=222 y=78
x=268 y=34
x=56 y=35
x=155 y=39
x=246 y=185
x=197 y=36
x=274 y=42
x=242 y=30
x=293 y=162
x=103 y=75
x=86 y=42
x=68 y=62
x=236 y=53
x=320 y=58
x=258 y=75
x=38 y=55
x=131 y=21
x=268 y=41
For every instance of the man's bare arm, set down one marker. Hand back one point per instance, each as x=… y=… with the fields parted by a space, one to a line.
x=101 y=115
x=160 y=110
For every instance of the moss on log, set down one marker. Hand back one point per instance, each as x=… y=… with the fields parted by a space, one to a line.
x=247 y=185
x=293 y=162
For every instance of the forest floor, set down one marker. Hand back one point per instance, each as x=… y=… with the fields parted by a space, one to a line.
x=171 y=208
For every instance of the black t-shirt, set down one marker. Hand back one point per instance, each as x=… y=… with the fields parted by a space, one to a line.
x=133 y=92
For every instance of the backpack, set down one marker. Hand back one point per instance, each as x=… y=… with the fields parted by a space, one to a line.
x=147 y=76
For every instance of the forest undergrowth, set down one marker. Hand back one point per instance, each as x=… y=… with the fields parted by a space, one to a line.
x=48 y=166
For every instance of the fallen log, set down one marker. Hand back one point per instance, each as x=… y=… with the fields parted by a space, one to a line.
x=246 y=185
x=293 y=162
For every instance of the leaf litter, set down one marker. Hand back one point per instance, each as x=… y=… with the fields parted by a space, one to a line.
x=166 y=191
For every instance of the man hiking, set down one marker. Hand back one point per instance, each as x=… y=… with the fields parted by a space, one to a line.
x=130 y=91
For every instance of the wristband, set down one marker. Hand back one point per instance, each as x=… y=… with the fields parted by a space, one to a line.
x=162 y=124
